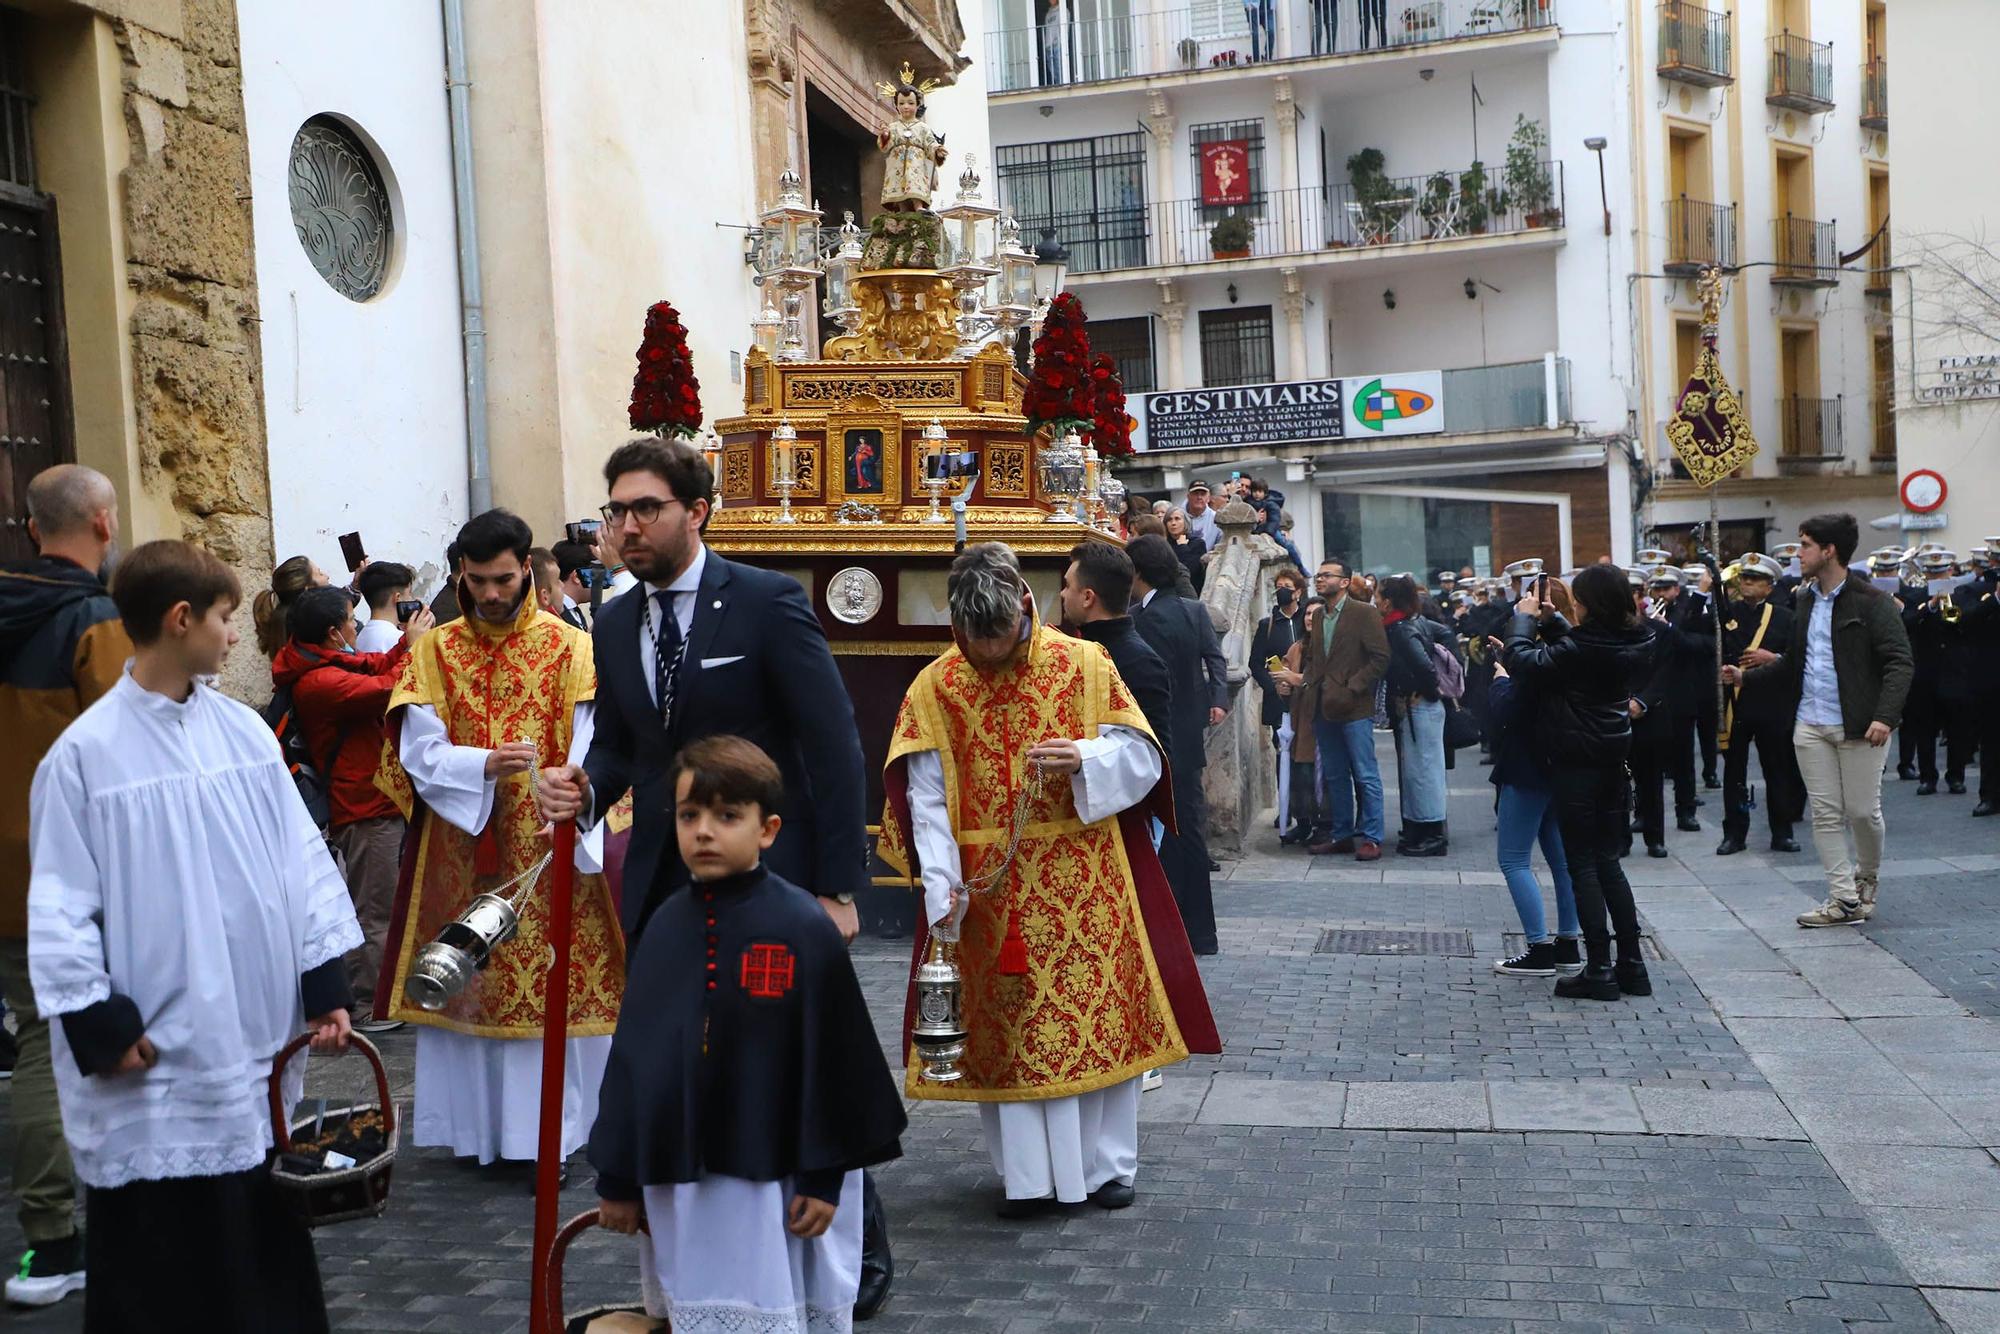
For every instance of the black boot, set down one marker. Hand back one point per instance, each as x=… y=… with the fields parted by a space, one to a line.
x=878 y=1266
x=1597 y=981
x=1406 y=837
x=1426 y=839
x=1631 y=972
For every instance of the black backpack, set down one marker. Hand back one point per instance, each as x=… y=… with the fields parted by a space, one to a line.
x=312 y=778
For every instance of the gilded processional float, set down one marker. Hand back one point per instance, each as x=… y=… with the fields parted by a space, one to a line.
x=862 y=470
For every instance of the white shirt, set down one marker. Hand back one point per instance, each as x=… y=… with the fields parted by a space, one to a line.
x=175 y=864
x=621 y=579
x=1819 y=698
x=1120 y=766
x=452 y=779
x=681 y=590
x=377 y=636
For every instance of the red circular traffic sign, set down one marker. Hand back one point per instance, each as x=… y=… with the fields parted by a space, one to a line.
x=1923 y=491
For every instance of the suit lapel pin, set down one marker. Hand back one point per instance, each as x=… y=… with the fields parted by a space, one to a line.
x=717 y=604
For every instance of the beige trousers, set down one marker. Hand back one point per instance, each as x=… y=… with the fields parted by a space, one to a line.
x=1844 y=791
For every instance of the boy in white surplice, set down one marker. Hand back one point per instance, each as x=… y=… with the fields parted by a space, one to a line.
x=184 y=921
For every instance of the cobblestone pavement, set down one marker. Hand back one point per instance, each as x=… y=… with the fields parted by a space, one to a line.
x=1795 y=1132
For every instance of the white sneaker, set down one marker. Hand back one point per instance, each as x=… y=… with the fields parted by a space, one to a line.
x=374 y=1026
x=48 y=1275
x=1151 y=1080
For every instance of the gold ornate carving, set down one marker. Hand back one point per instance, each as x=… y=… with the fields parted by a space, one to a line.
x=736 y=472
x=805 y=468
x=1006 y=472
x=833 y=389
x=906 y=315
x=1709 y=431
x=888 y=648
x=757 y=381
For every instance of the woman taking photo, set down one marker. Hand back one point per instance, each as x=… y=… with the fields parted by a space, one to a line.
x=1584 y=678
x=1526 y=814
x=1187 y=546
x=1416 y=712
x=267 y=613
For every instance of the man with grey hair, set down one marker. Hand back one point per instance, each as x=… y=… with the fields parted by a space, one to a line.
x=61 y=647
x=1022 y=780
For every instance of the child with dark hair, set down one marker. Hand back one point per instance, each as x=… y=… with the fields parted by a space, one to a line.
x=745 y=1089
x=184 y=922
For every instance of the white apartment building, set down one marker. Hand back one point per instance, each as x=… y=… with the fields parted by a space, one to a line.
x=1763 y=142
x=1540 y=288
x=1397 y=231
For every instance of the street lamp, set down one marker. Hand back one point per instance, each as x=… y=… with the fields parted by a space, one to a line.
x=790 y=257
x=1051 y=268
x=1597 y=143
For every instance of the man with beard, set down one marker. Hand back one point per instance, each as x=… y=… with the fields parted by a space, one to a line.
x=61 y=647
x=482 y=702
x=705 y=647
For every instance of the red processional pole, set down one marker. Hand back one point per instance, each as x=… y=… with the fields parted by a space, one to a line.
x=545 y=1314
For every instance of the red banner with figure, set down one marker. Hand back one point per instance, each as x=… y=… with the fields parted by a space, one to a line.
x=1225 y=172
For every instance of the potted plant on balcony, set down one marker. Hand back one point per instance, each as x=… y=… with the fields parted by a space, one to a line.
x=1230 y=237
x=1190 y=52
x=1380 y=204
x=1474 y=206
x=1439 y=205
x=1529 y=181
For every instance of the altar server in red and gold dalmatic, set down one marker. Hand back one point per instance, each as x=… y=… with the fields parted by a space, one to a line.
x=483 y=701
x=1077 y=975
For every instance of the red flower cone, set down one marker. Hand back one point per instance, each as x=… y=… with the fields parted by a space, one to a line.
x=1059 y=396
x=666 y=396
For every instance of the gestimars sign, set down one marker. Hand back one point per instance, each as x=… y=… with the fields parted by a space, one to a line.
x=1291 y=412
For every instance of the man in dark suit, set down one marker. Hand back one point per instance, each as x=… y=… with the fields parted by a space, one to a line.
x=703 y=646
x=1096 y=600
x=1183 y=636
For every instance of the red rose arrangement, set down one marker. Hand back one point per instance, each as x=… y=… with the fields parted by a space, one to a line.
x=1111 y=425
x=1059 y=397
x=666 y=397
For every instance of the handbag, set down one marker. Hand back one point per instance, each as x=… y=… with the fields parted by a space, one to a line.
x=1461 y=729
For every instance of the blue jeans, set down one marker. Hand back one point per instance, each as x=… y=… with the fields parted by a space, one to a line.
x=1347 y=762
x=1528 y=815
x=1420 y=761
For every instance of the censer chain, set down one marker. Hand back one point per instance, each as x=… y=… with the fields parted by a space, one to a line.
x=988 y=881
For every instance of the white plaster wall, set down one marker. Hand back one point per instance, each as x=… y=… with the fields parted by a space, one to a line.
x=641 y=209
x=1938 y=206
x=1435 y=326
x=364 y=402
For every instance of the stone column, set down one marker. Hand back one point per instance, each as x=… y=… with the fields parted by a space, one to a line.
x=1165 y=226
x=1294 y=301
x=772 y=72
x=1173 y=314
x=1290 y=208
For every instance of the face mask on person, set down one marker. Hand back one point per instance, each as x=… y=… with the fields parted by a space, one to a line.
x=1286 y=597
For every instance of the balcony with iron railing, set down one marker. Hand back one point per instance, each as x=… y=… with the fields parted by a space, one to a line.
x=1801 y=74
x=1880 y=264
x=1809 y=433
x=1882 y=425
x=1875 y=94
x=1062 y=54
x=1803 y=253
x=1699 y=235
x=1333 y=223
x=1694 y=45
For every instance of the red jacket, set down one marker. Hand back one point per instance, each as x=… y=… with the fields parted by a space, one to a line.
x=343 y=696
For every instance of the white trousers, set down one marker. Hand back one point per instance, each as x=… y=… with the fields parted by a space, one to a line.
x=1066 y=1147
x=719 y=1259
x=482 y=1097
x=1844 y=787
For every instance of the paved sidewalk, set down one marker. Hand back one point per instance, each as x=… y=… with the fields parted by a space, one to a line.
x=1795 y=1132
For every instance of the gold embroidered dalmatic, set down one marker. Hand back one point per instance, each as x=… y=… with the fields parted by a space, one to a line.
x=492 y=684
x=1092 y=1010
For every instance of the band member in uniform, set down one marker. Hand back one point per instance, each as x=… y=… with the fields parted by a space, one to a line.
x=1754 y=627
x=1941 y=697
x=1979 y=621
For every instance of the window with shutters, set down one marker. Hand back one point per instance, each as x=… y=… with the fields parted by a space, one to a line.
x=1208 y=19
x=1236 y=347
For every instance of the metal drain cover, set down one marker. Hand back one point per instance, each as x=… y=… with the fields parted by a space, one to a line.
x=1342 y=940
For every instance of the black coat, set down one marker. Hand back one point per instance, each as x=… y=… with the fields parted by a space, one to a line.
x=1979 y=622
x=1762 y=700
x=1183 y=636
x=1142 y=672
x=1584 y=679
x=1190 y=554
x=757 y=666
x=1411 y=671
x=743 y=1048
x=1275 y=635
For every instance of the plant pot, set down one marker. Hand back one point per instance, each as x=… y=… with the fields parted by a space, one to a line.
x=1553 y=218
x=1230 y=254
x=1533 y=220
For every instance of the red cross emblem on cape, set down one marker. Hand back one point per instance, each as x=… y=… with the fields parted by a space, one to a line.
x=767 y=971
